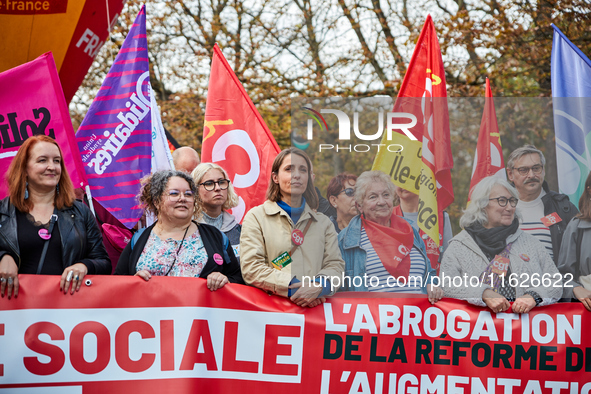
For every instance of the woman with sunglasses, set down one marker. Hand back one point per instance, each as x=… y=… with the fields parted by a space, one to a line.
x=340 y=194
x=492 y=262
x=215 y=196
x=175 y=245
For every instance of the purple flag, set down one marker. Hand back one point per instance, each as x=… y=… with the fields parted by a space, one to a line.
x=115 y=138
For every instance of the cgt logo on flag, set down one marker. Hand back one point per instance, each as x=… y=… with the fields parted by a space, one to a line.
x=240 y=139
x=236 y=137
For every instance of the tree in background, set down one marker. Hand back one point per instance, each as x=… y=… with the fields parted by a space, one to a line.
x=282 y=49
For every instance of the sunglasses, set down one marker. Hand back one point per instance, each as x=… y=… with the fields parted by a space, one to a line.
x=348 y=192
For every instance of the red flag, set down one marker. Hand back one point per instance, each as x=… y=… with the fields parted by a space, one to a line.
x=429 y=160
x=488 y=159
x=236 y=137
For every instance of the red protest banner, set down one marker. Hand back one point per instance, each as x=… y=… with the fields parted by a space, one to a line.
x=121 y=334
x=236 y=137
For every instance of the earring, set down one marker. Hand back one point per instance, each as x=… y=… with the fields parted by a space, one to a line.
x=26 y=190
x=57 y=189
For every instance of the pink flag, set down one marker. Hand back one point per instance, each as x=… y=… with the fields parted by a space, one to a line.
x=32 y=103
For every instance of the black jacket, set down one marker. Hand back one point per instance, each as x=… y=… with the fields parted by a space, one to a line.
x=213 y=240
x=559 y=203
x=82 y=241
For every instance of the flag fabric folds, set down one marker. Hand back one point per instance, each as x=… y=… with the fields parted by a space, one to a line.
x=236 y=137
x=488 y=159
x=115 y=138
x=161 y=156
x=424 y=165
x=33 y=103
x=571 y=101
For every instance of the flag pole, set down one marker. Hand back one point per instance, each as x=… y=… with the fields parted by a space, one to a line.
x=89 y=195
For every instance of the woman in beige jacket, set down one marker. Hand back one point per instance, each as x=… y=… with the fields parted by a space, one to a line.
x=286 y=247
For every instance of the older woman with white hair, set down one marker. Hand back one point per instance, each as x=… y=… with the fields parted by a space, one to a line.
x=495 y=261
x=215 y=195
x=382 y=248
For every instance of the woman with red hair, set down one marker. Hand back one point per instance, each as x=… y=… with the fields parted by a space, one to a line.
x=43 y=229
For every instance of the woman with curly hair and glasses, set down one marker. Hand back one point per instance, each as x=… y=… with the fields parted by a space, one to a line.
x=175 y=245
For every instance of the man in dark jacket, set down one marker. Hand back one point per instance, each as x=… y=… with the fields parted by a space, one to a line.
x=545 y=213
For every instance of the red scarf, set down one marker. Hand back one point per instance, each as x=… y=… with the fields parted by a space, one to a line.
x=392 y=244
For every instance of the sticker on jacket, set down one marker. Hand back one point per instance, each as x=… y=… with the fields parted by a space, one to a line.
x=551 y=219
x=282 y=261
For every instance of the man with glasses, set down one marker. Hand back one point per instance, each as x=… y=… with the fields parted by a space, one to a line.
x=545 y=213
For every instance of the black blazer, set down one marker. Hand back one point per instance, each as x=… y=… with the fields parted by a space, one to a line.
x=213 y=240
x=82 y=241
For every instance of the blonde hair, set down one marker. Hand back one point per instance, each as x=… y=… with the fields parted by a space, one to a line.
x=198 y=174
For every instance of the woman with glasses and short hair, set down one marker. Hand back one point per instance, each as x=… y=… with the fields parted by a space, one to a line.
x=492 y=262
x=175 y=245
x=340 y=194
x=215 y=195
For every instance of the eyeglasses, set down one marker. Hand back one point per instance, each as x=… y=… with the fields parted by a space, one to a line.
x=210 y=185
x=504 y=200
x=537 y=169
x=176 y=194
x=348 y=192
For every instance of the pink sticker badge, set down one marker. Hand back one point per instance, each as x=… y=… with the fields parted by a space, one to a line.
x=524 y=257
x=218 y=259
x=44 y=234
x=297 y=237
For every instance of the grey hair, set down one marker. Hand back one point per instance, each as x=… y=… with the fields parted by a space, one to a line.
x=475 y=212
x=366 y=179
x=524 y=150
x=154 y=186
x=202 y=169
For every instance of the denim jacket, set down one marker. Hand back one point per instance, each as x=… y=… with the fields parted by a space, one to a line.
x=355 y=256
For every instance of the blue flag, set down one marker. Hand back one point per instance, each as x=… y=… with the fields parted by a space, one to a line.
x=571 y=92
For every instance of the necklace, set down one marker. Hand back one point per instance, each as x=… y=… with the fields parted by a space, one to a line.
x=178 y=250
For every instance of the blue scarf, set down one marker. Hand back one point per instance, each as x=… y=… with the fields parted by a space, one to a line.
x=294 y=213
